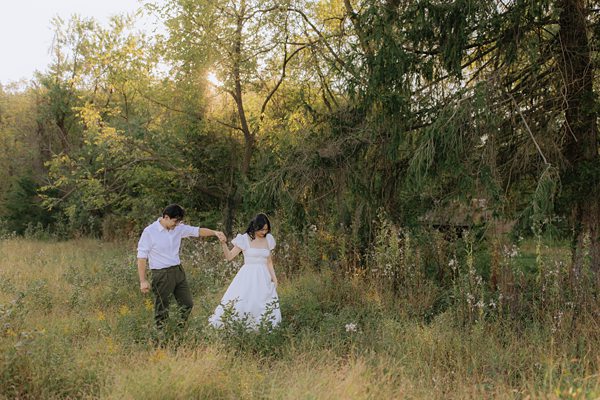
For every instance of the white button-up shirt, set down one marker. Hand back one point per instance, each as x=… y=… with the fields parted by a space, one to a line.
x=161 y=246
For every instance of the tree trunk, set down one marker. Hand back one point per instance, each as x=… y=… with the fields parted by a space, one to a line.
x=236 y=193
x=581 y=135
x=230 y=209
x=238 y=97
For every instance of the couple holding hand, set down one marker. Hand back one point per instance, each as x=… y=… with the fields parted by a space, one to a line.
x=251 y=296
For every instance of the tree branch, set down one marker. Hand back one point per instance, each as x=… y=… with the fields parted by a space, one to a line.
x=170 y=108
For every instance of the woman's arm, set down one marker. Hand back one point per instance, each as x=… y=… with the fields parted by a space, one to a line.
x=271 y=270
x=229 y=254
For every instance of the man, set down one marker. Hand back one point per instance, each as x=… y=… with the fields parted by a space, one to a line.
x=159 y=244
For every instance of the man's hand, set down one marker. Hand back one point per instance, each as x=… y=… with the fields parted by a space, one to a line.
x=144 y=286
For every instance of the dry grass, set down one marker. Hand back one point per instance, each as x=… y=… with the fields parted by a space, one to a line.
x=73 y=325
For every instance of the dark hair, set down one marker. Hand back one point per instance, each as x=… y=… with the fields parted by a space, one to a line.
x=257 y=224
x=174 y=211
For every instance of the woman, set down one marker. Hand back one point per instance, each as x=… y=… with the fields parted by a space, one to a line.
x=252 y=295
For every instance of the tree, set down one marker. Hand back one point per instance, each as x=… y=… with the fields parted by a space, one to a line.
x=22 y=169
x=246 y=45
x=484 y=97
x=118 y=160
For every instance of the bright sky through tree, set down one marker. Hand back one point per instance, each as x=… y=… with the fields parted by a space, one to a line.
x=26 y=30
x=212 y=78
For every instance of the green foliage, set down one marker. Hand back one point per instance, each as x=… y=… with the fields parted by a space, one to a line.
x=409 y=109
x=23 y=208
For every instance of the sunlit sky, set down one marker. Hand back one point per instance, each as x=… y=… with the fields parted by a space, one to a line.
x=26 y=30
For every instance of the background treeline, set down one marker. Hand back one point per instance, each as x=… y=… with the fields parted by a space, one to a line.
x=331 y=113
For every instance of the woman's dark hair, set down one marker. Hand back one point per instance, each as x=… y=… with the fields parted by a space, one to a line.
x=257 y=224
x=174 y=211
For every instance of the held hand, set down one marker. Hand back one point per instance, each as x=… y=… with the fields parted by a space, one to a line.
x=221 y=236
x=144 y=286
x=274 y=282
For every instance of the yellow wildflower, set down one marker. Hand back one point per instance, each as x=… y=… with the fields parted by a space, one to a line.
x=158 y=355
x=111 y=346
x=148 y=304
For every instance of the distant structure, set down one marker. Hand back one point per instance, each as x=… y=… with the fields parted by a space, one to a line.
x=458 y=216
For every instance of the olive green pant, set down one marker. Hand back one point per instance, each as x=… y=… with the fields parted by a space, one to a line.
x=169 y=281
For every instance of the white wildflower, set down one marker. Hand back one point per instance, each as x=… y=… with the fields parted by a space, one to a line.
x=483 y=139
x=470 y=298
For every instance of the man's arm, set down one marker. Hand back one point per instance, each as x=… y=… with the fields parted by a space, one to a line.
x=144 y=284
x=143 y=250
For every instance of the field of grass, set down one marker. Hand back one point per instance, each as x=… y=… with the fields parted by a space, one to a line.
x=73 y=324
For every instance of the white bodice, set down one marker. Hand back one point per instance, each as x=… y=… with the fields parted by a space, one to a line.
x=254 y=256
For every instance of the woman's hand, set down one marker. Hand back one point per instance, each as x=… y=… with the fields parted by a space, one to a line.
x=274 y=280
x=220 y=235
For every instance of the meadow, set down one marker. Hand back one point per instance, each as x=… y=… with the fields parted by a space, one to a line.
x=73 y=324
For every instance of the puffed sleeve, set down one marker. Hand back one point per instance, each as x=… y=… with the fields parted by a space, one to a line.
x=240 y=241
x=270 y=241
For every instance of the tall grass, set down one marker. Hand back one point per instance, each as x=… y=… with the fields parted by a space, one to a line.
x=74 y=325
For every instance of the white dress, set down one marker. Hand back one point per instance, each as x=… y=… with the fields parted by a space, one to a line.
x=251 y=296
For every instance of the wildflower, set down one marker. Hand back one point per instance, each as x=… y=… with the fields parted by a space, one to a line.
x=510 y=252
x=100 y=316
x=111 y=346
x=351 y=327
x=123 y=310
x=470 y=298
x=148 y=304
x=478 y=279
x=483 y=140
x=158 y=355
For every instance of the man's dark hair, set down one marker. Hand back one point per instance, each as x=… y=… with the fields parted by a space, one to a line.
x=174 y=211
